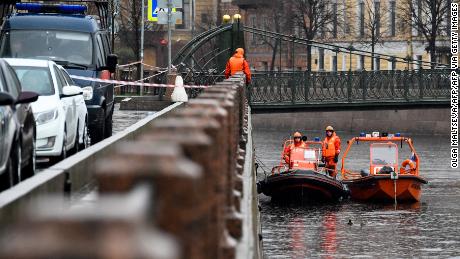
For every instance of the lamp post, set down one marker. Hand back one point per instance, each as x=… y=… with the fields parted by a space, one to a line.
x=169 y=35
x=141 y=68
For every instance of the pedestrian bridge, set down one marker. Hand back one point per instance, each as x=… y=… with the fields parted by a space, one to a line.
x=202 y=61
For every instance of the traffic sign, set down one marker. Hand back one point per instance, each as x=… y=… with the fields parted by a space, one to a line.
x=152 y=12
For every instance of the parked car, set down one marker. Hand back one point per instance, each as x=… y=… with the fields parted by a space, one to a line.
x=17 y=129
x=60 y=111
x=78 y=42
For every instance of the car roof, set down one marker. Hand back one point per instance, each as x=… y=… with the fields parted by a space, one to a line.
x=79 y=23
x=28 y=62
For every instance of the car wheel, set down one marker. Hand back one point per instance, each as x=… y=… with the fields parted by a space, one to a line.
x=98 y=130
x=86 y=138
x=108 y=125
x=29 y=170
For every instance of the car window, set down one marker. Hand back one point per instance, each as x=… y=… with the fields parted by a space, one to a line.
x=105 y=40
x=60 y=80
x=75 y=47
x=36 y=79
x=11 y=83
x=67 y=78
x=2 y=88
x=100 y=51
x=15 y=79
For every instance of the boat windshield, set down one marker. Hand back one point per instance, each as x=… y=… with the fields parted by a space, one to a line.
x=310 y=154
x=384 y=154
x=74 y=47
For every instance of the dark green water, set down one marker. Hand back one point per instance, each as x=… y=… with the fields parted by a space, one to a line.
x=429 y=228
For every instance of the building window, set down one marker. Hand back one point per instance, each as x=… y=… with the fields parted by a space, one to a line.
x=419 y=61
x=377 y=17
x=265 y=65
x=334 y=62
x=362 y=59
x=377 y=63
x=361 y=19
x=334 y=20
x=321 y=60
x=204 y=18
x=392 y=18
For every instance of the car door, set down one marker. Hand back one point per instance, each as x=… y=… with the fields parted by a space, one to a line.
x=69 y=106
x=79 y=100
x=8 y=124
x=23 y=114
x=3 y=114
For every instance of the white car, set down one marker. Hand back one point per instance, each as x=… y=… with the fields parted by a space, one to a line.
x=60 y=111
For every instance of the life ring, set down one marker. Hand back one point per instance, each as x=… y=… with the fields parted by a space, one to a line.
x=405 y=163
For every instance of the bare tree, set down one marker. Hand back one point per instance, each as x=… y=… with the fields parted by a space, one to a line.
x=276 y=10
x=371 y=30
x=429 y=18
x=316 y=17
x=129 y=20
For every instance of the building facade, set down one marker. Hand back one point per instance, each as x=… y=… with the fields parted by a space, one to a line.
x=383 y=24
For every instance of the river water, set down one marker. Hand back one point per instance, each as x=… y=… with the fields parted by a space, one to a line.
x=429 y=228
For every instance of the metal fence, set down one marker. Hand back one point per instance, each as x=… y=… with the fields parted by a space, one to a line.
x=394 y=86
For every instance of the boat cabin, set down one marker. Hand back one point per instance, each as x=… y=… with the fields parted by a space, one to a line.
x=384 y=158
x=306 y=157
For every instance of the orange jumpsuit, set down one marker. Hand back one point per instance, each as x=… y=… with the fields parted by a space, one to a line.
x=237 y=63
x=331 y=148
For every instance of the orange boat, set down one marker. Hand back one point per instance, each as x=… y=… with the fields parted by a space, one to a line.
x=386 y=179
x=304 y=178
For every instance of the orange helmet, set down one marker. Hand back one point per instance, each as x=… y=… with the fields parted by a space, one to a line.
x=297 y=135
x=239 y=51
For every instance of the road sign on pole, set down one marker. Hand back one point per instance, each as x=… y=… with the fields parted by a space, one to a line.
x=152 y=11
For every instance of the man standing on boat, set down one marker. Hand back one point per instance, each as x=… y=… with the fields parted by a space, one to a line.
x=298 y=143
x=237 y=63
x=331 y=151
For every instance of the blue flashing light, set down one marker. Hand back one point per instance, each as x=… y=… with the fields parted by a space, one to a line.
x=362 y=134
x=51 y=8
x=398 y=134
x=317 y=139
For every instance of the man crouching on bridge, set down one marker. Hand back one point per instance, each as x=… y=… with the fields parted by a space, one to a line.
x=331 y=151
x=237 y=63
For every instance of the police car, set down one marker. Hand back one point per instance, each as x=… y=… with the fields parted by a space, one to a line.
x=80 y=43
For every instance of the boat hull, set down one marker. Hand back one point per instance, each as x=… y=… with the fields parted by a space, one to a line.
x=382 y=188
x=302 y=184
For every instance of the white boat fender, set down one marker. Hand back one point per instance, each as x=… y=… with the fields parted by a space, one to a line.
x=179 y=94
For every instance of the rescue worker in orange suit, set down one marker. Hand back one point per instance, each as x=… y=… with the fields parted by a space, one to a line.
x=297 y=143
x=331 y=151
x=237 y=63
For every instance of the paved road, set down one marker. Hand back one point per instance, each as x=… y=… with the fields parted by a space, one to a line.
x=124 y=119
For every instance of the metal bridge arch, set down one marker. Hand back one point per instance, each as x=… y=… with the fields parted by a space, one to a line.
x=202 y=61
